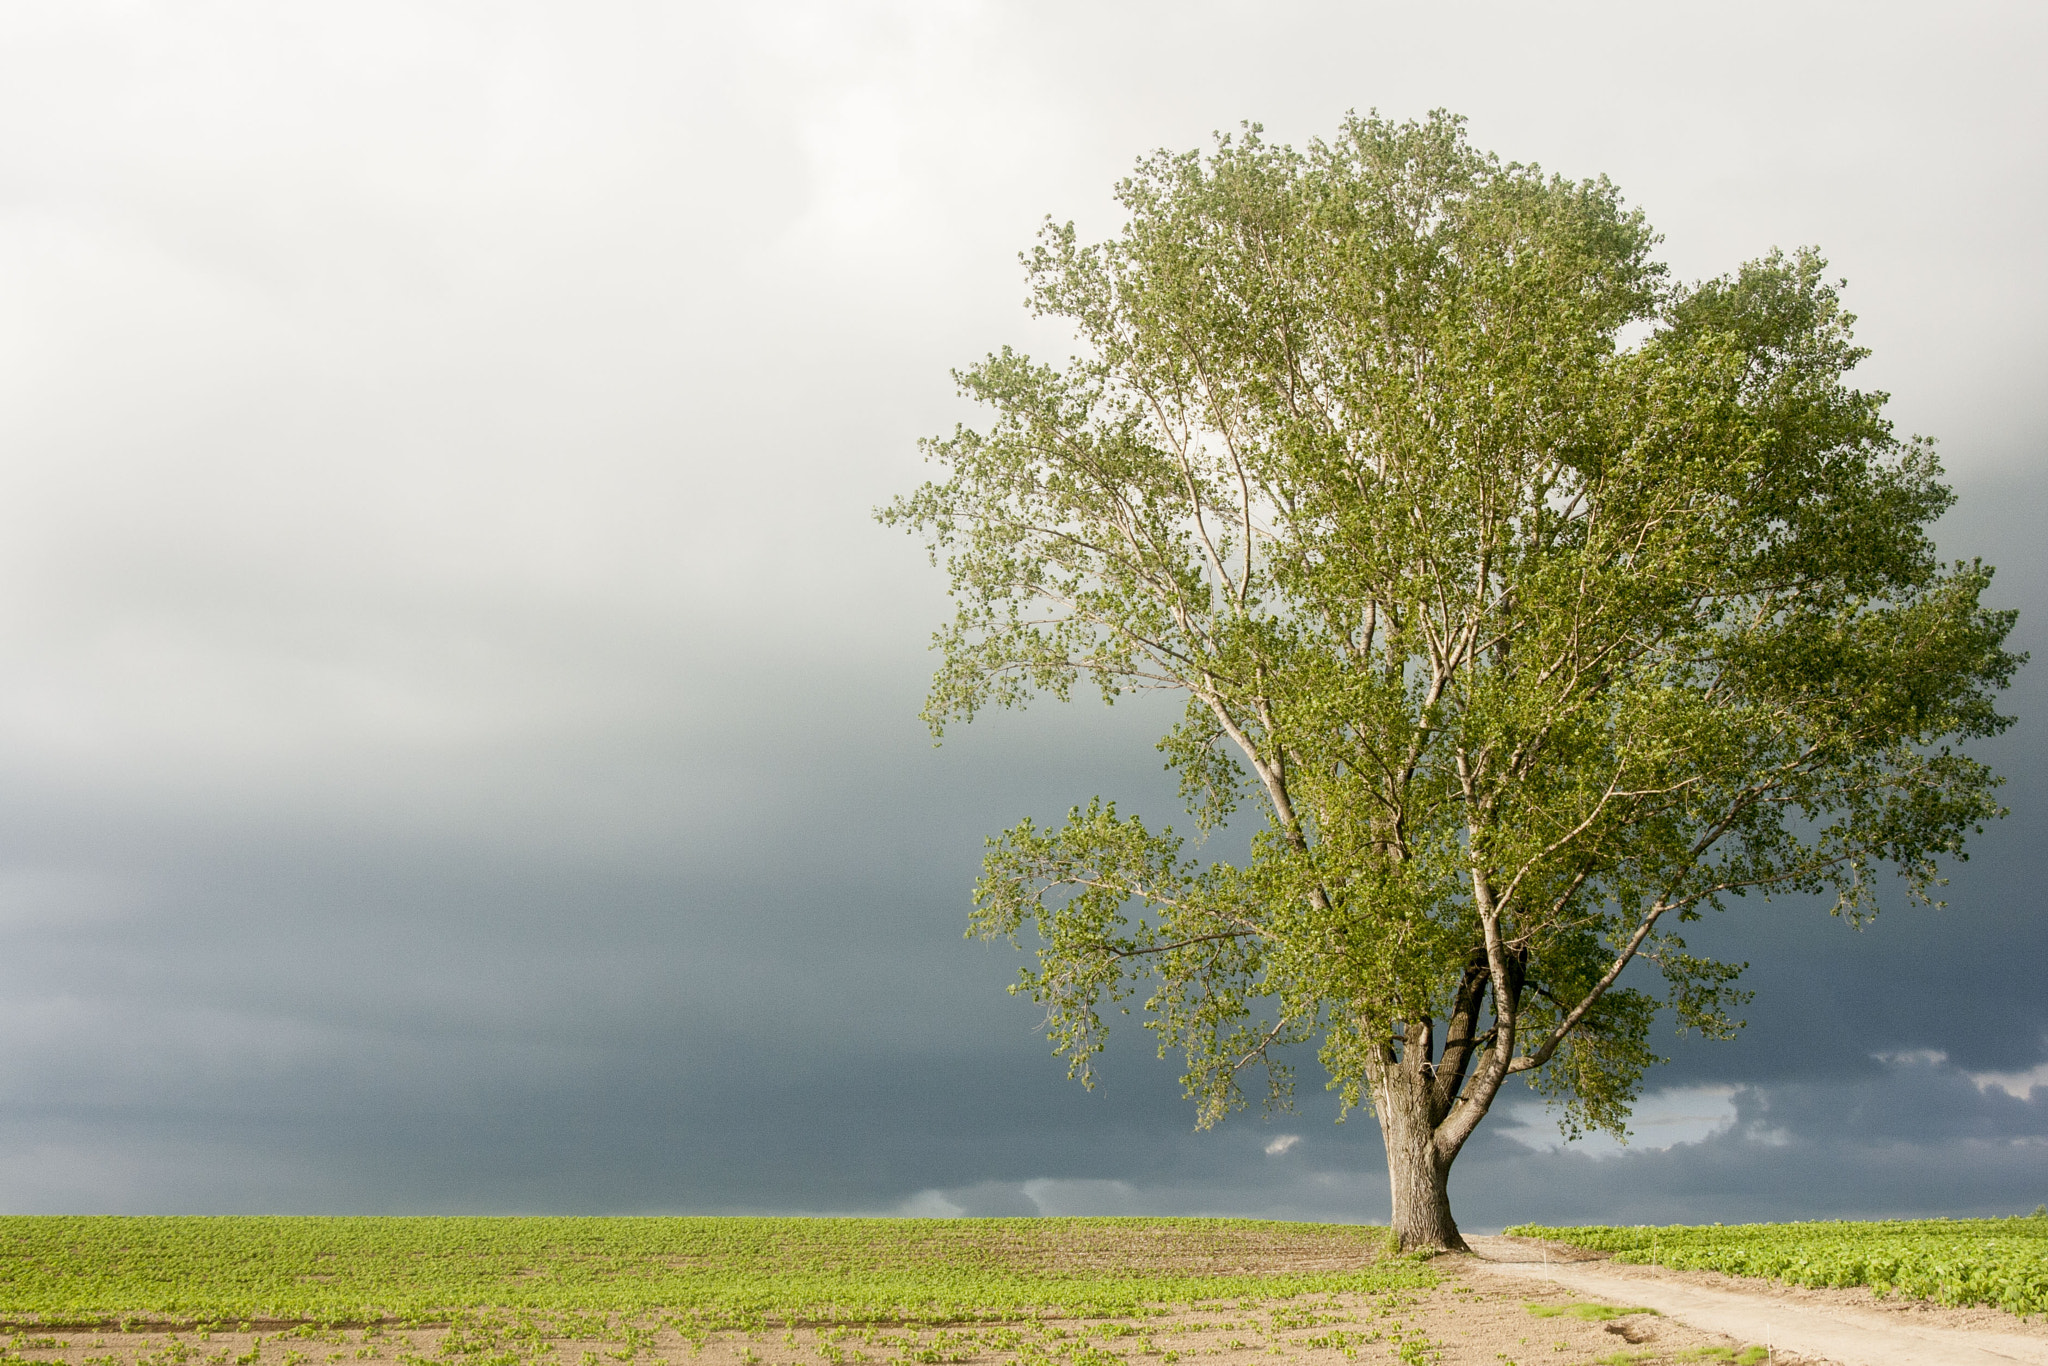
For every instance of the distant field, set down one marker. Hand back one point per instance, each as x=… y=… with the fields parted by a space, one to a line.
x=714 y=1272
x=2001 y=1262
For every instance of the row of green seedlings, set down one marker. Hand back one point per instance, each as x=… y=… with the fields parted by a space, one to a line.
x=525 y=1338
x=191 y=1346
x=1964 y=1263
x=1047 y=1342
x=520 y=1339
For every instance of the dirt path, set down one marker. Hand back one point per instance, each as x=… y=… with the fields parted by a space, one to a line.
x=1812 y=1325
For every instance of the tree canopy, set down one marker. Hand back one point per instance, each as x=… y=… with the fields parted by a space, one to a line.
x=1536 y=605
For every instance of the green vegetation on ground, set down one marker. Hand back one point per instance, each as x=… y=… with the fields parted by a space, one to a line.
x=1590 y=1312
x=2001 y=1262
x=714 y=1272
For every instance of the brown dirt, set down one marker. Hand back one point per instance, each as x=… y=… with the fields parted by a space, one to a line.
x=1147 y=1248
x=1458 y=1323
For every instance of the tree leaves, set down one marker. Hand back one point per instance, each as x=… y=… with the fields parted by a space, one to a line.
x=1525 y=644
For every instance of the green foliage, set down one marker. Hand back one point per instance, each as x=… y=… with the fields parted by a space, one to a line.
x=1528 y=641
x=1585 y=1310
x=2001 y=1262
x=705 y=1273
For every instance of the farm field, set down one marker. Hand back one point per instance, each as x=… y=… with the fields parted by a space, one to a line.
x=2002 y=1263
x=775 y=1292
x=717 y=1271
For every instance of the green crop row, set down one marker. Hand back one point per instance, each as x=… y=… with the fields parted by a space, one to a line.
x=717 y=1272
x=2002 y=1262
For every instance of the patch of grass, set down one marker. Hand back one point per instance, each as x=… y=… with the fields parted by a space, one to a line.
x=702 y=1273
x=1585 y=1309
x=1747 y=1356
x=2001 y=1262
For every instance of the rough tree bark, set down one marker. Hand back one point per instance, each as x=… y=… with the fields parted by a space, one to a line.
x=1417 y=1170
x=1428 y=1101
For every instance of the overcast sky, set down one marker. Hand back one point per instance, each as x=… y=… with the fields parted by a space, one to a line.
x=458 y=740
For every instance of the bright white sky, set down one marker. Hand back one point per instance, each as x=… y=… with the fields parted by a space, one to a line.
x=396 y=398
x=356 y=352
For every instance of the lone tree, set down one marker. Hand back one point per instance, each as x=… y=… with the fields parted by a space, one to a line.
x=1539 y=604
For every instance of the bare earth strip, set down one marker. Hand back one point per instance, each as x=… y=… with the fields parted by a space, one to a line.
x=1854 y=1328
x=1460 y=1322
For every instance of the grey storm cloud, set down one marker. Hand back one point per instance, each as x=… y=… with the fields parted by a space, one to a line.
x=458 y=736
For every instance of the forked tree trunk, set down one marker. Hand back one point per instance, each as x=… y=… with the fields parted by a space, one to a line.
x=1418 y=1175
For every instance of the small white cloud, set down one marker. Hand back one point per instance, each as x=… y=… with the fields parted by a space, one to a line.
x=1282 y=1144
x=2018 y=1085
x=929 y=1204
x=1661 y=1120
x=1057 y=1197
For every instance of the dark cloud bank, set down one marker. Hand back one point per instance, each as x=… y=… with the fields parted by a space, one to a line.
x=774 y=1011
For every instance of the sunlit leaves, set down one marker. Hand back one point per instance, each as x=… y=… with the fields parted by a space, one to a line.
x=1537 y=604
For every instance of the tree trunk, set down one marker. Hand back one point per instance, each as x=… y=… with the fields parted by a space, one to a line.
x=1419 y=1176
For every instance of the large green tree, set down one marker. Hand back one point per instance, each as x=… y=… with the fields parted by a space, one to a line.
x=1537 y=604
